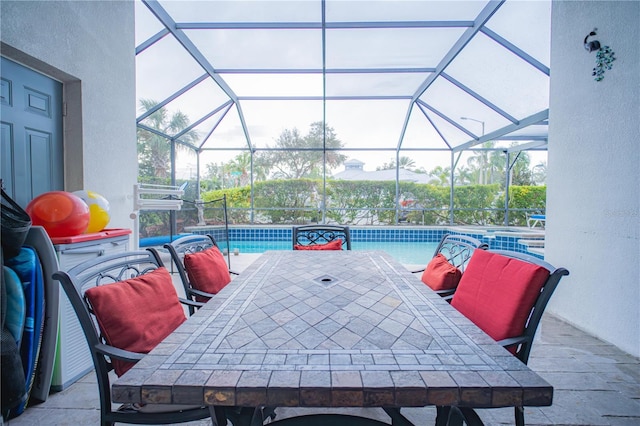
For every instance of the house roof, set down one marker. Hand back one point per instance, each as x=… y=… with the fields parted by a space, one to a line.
x=353 y=172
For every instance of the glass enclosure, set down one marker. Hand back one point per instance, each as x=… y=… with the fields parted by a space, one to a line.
x=373 y=113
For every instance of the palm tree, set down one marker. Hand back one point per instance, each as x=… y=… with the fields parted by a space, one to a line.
x=154 y=150
x=488 y=166
x=521 y=173
x=440 y=175
x=240 y=167
x=406 y=163
x=465 y=176
x=496 y=165
x=478 y=165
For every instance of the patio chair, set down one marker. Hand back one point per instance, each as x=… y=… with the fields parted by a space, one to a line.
x=536 y=219
x=444 y=271
x=321 y=237
x=139 y=297
x=201 y=266
x=510 y=316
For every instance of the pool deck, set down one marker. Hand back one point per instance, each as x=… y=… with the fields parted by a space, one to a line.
x=594 y=383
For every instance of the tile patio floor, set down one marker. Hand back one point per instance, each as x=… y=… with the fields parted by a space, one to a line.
x=595 y=383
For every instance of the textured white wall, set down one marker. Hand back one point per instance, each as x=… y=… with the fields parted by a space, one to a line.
x=593 y=182
x=90 y=47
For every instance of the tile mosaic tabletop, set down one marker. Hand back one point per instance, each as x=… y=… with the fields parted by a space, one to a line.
x=323 y=329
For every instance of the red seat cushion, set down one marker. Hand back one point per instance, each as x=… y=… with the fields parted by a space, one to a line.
x=333 y=245
x=207 y=271
x=138 y=313
x=497 y=293
x=440 y=274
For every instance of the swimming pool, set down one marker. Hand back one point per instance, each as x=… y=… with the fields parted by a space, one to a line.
x=409 y=245
x=414 y=253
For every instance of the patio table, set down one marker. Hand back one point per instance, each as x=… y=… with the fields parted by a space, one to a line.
x=330 y=329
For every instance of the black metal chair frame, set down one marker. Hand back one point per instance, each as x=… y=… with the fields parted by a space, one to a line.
x=185 y=245
x=110 y=269
x=321 y=234
x=522 y=343
x=458 y=249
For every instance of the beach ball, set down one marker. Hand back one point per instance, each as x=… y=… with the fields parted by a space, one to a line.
x=60 y=213
x=99 y=215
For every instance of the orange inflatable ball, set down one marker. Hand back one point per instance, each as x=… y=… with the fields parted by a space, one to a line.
x=62 y=214
x=99 y=215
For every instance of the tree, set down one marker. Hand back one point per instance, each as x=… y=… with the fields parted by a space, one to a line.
x=496 y=166
x=154 y=150
x=239 y=168
x=298 y=156
x=539 y=173
x=521 y=173
x=406 y=163
x=479 y=164
x=440 y=176
x=464 y=176
x=212 y=178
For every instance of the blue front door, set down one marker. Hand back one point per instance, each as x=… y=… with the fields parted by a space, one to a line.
x=31 y=132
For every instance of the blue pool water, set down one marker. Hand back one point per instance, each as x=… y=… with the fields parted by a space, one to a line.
x=413 y=253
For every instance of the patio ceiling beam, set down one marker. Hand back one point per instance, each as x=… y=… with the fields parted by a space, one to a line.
x=434 y=126
x=162 y=15
x=403 y=131
x=527 y=146
x=516 y=50
x=446 y=118
x=323 y=33
x=320 y=149
x=522 y=138
x=327 y=98
x=466 y=37
x=320 y=70
x=152 y=40
x=525 y=122
x=164 y=135
x=319 y=25
x=480 y=98
x=172 y=97
x=214 y=127
x=186 y=42
x=201 y=120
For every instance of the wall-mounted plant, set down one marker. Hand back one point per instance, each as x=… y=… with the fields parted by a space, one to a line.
x=604 y=56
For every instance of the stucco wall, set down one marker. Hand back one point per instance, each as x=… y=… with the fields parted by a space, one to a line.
x=593 y=182
x=90 y=47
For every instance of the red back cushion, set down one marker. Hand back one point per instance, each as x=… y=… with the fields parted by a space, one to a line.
x=333 y=245
x=440 y=274
x=497 y=293
x=138 y=313
x=207 y=271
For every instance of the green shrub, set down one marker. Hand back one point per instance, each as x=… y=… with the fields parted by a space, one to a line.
x=374 y=203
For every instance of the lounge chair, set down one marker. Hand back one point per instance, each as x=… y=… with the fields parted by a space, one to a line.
x=536 y=219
